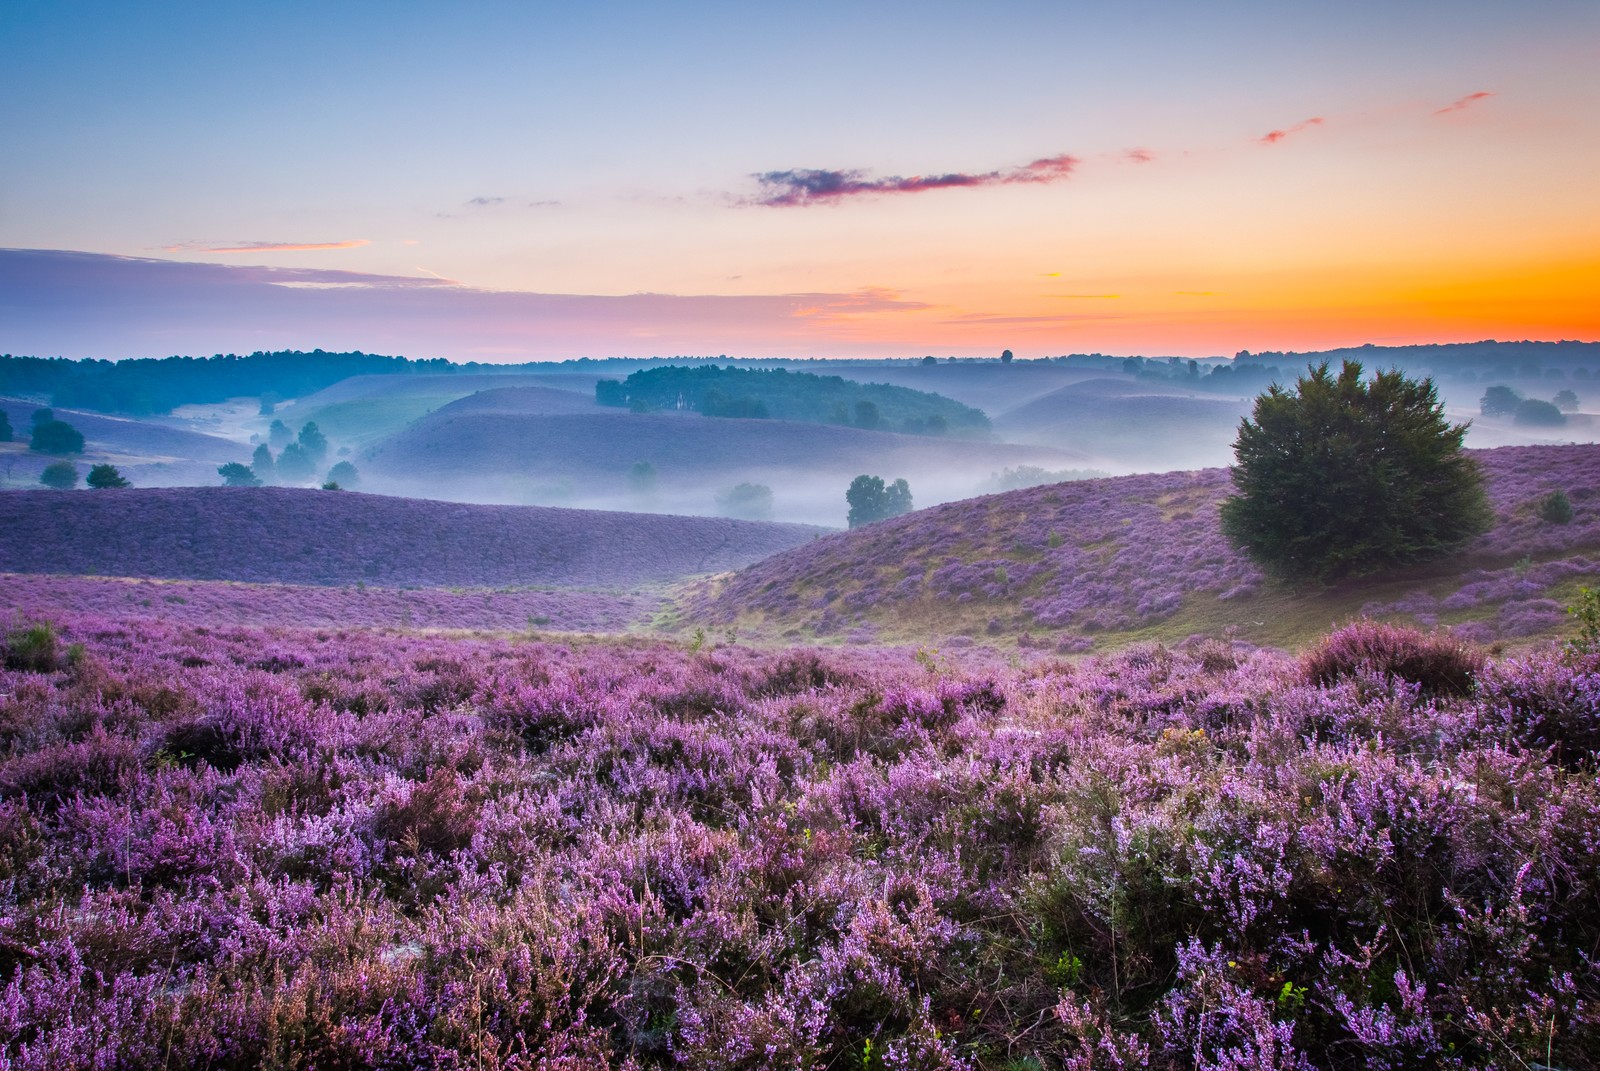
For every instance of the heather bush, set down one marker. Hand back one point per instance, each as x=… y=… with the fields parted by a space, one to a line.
x=1439 y=665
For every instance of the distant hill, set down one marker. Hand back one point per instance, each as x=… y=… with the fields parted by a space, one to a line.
x=365 y=410
x=589 y=458
x=729 y=391
x=1123 y=422
x=324 y=537
x=987 y=385
x=1141 y=557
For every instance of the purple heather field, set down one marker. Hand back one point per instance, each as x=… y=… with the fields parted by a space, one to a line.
x=1091 y=556
x=222 y=603
x=287 y=535
x=237 y=848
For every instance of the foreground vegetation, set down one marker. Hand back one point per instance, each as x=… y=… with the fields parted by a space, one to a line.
x=248 y=848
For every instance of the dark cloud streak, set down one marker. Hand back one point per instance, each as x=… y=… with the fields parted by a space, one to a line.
x=811 y=186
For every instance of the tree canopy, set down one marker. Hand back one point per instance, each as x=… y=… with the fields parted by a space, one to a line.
x=1341 y=476
x=60 y=475
x=102 y=477
x=871 y=500
x=236 y=475
x=56 y=437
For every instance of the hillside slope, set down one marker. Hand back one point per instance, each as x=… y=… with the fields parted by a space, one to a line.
x=324 y=537
x=1141 y=557
x=588 y=458
x=148 y=453
x=1125 y=423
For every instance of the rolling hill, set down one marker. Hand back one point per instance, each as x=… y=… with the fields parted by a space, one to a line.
x=1107 y=562
x=364 y=410
x=290 y=536
x=502 y=455
x=1130 y=424
x=148 y=453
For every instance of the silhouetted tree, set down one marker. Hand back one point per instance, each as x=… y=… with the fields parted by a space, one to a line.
x=1499 y=400
x=1566 y=401
x=56 y=437
x=61 y=475
x=279 y=434
x=930 y=359
x=642 y=477
x=345 y=475
x=750 y=501
x=1005 y=357
x=1340 y=476
x=867 y=414
x=236 y=475
x=313 y=442
x=102 y=477
x=262 y=465
x=1534 y=413
x=870 y=500
x=295 y=465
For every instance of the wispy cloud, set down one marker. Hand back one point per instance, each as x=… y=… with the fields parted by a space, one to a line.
x=1272 y=137
x=807 y=186
x=264 y=247
x=1465 y=102
x=1139 y=156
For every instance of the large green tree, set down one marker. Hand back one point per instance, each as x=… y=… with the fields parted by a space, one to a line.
x=870 y=499
x=1343 y=476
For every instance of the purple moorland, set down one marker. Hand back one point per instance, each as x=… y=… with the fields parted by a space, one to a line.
x=230 y=847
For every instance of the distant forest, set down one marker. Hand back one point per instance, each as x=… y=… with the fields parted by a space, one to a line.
x=146 y=386
x=783 y=395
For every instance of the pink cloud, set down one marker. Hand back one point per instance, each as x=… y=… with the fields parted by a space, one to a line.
x=1465 y=102
x=265 y=247
x=809 y=186
x=1139 y=156
x=1275 y=136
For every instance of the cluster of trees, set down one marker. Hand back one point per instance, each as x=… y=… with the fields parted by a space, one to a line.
x=299 y=458
x=63 y=476
x=870 y=499
x=780 y=394
x=1501 y=400
x=1341 y=476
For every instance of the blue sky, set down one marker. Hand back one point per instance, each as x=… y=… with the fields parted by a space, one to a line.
x=1431 y=154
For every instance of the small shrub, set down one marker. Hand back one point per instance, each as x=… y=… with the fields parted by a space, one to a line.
x=106 y=476
x=32 y=649
x=1586 y=612
x=1556 y=508
x=1439 y=664
x=60 y=475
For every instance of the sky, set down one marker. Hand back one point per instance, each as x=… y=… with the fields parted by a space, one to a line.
x=530 y=181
